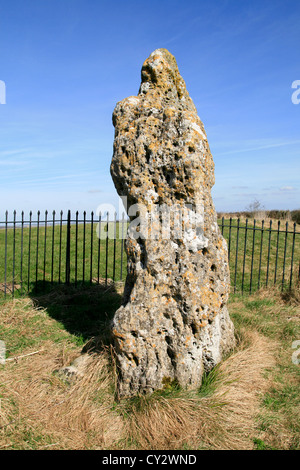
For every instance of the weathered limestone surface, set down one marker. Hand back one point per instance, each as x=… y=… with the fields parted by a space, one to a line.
x=173 y=323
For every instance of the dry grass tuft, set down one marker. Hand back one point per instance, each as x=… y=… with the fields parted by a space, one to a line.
x=224 y=420
x=71 y=416
x=287 y=297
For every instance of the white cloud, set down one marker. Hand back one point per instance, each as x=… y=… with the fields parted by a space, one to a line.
x=263 y=144
x=287 y=188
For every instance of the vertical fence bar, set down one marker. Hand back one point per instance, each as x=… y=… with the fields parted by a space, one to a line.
x=60 y=249
x=229 y=240
x=76 y=247
x=53 y=235
x=83 y=253
x=92 y=241
x=252 y=258
x=122 y=247
x=292 y=256
x=37 y=249
x=276 y=259
x=21 y=260
x=5 y=255
x=99 y=249
x=29 y=248
x=106 y=260
x=115 y=241
x=260 y=253
x=284 y=254
x=222 y=226
x=68 y=248
x=244 y=259
x=236 y=252
x=14 y=253
x=45 y=247
x=269 y=248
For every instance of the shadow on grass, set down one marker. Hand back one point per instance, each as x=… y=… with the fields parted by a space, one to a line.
x=84 y=311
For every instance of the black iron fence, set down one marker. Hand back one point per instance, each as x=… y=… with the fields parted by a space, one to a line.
x=48 y=249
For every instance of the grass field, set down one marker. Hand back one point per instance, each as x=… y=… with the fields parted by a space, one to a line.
x=34 y=257
x=249 y=401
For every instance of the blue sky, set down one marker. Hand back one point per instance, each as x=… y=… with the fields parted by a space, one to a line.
x=66 y=63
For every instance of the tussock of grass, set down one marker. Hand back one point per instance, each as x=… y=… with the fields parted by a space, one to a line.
x=276 y=315
x=225 y=419
x=76 y=416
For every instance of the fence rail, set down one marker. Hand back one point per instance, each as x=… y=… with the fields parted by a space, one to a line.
x=60 y=249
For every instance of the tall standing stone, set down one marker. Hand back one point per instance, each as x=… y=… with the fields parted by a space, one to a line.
x=173 y=324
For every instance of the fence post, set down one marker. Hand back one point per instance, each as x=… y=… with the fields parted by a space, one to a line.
x=45 y=247
x=60 y=241
x=244 y=259
x=292 y=255
x=284 y=255
x=92 y=242
x=76 y=248
x=68 y=248
x=115 y=241
x=260 y=254
x=5 y=263
x=106 y=251
x=236 y=252
x=229 y=240
x=14 y=253
x=29 y=248
x=252 y=257
x=122 y=247
x=37 y=250
x=22 y=236
x=53 y=245
x=269 y=247
x=277 y=245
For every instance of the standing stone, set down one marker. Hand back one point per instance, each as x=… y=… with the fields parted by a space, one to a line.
x=173 y=324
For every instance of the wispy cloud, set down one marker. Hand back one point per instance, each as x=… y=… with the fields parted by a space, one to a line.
x=12 y=152
x=13 y=162
x=94 y=191
x=57 y=178
x=257 y=146
x=287 y=188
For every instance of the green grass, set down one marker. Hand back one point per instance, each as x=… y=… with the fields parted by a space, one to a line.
x=33 y=258
x=276 y=316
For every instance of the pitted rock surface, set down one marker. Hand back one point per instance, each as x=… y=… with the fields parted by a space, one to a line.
x=173 y=324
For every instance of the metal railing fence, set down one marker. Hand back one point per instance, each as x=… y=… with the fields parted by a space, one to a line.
x=37 y=252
